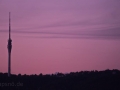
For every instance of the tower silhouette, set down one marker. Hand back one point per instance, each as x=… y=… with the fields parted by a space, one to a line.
x=9 y=46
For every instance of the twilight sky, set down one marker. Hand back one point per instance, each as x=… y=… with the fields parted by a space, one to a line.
x=60 y=35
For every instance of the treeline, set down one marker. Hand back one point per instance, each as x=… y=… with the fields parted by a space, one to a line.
x=84 y=80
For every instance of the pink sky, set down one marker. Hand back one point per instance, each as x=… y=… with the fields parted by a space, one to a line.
x=60 y=35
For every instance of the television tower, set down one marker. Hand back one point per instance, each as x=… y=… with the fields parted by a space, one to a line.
x=9 y=46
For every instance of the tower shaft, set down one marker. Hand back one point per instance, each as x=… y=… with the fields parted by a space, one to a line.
x=9 y=64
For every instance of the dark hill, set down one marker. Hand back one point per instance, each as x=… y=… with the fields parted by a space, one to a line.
x=84 y=80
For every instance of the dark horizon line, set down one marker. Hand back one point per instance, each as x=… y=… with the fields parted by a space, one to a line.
x=66 y=72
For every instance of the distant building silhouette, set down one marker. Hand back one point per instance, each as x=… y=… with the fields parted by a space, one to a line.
x=9 y=46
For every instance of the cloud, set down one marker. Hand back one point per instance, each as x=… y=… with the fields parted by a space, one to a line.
x=112 y=33
x=64 y=18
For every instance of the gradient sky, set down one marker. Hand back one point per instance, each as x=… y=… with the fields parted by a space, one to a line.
x=60 y=35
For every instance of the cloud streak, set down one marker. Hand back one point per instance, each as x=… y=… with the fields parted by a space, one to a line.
x=113 y=33
x=65 y=17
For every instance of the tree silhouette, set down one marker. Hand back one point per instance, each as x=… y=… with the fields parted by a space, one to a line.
x=84 y=80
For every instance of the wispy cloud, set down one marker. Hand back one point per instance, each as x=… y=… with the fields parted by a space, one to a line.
x=78 y=18
x=112 y=33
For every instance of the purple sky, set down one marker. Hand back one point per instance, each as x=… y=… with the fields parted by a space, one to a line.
x=60 y=35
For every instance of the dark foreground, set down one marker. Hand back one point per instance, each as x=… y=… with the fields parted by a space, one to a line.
x=84 y=80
